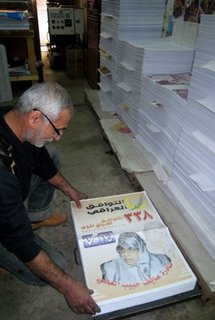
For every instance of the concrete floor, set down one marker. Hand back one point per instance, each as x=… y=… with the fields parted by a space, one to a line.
x=87 y=163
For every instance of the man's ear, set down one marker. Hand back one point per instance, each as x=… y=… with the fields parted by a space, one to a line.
x=34 y=118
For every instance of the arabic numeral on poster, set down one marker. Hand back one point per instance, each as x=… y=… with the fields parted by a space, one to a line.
x=100 y=239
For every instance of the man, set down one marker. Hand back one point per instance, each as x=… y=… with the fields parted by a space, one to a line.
x=41 y=115
x=135 y=264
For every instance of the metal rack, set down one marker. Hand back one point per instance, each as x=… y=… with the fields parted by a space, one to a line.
x=23 y=41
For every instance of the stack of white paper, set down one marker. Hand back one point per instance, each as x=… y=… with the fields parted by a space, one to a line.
x=124 y=19
x=155 y=56
x=203 y=68
x=128 y=94
x=141 y=18
x=106 y=8
x=161 y=115
x=107 y=94
x=205 y=41
x=137 y=58
x=193 y=176
x=107 y=99
x=193 y=186
x=109 y=34
x=128 y=113
x=108 y=57
x=136 y=18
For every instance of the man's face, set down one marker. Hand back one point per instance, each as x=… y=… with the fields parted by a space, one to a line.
x=44 y=131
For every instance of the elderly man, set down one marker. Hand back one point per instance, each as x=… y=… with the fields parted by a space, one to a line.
x=41 y=115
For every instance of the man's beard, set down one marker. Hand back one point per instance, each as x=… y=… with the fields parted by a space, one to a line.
x=37 y=141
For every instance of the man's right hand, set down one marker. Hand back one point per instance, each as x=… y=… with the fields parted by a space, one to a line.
x=79 y=298
x=77 y=295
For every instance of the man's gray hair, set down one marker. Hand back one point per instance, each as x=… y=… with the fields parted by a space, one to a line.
x=49 y=97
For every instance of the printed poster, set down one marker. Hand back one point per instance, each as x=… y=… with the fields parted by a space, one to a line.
x=128 y=255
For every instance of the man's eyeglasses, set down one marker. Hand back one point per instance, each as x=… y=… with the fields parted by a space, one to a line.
x=59 y=132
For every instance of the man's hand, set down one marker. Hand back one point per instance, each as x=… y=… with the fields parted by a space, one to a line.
x=76 y=196
x=79 y=298
x=77 y=295
x=59 y=181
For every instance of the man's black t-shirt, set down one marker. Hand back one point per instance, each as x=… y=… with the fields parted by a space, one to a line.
x=18 y=161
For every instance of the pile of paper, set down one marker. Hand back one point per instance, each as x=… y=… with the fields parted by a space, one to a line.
x=156 y=56
x=108 y=58
x=136 y=58
x=127 y=60
x=136 y=18
x=204 y=62
x=107 y=7
x=161 y=114
x=109 y=34
x=193 y=176
x=14 y=20
x=193 y=187
x=124 y=19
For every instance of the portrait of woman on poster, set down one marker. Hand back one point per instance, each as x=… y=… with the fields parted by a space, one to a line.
x=134 y=263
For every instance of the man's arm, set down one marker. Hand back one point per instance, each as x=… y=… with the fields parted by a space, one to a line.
x=76 y=294
x=60 y=182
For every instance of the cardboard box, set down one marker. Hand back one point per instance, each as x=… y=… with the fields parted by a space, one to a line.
x=74 y=62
